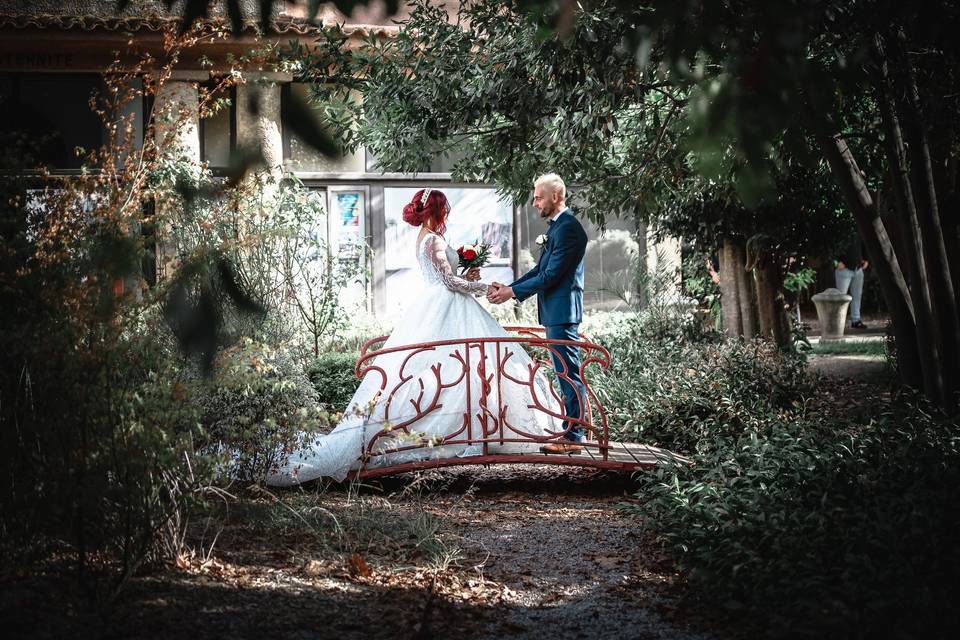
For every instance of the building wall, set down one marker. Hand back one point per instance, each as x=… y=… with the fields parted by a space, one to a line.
x=108 y=8
x=364 y=204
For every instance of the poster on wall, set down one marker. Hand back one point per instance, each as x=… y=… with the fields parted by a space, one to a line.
x=348 y=241
x=349 y=216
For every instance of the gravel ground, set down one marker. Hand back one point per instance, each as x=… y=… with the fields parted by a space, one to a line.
x=575 y=566
x=531 y=551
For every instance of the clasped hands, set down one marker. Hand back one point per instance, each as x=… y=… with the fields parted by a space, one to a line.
x=497 y=293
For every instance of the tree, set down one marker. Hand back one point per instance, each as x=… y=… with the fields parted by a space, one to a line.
x=590 y=89
x=757 y=246
x=813 y=71
x=525 y=100
x=505 y=109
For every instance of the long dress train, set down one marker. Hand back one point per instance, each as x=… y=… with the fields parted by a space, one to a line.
x=431 y=383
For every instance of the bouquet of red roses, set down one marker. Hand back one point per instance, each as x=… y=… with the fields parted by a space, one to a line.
x=473 y=255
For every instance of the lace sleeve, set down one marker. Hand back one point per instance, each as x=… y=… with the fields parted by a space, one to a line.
x=436 y=251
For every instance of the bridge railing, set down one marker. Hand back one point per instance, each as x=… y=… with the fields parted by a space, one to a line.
x=483 y=368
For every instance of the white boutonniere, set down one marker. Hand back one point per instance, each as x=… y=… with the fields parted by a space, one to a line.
x=541 y=239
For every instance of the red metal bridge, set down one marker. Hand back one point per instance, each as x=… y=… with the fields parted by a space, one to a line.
x=481 y=366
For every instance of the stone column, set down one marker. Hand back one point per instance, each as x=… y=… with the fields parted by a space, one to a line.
x=176 y=131
x=258 y=119
x=259 y=130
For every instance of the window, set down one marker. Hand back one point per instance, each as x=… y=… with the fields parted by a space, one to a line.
x=347 y=240
x=440 y=164
x=218 y=134
x=476 y=214
x=47 y=116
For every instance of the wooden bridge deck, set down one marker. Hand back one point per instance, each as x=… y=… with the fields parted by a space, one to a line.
x=621 y=456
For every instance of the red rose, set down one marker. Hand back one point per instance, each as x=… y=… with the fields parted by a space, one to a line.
x=469 y=254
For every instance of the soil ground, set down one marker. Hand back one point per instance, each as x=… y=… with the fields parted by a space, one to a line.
x=855 y=365
x=506 y=551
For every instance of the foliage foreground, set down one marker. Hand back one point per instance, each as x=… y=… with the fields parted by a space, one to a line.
x=813 y=507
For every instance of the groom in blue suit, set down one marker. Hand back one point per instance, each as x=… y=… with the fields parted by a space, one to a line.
x=557 y=279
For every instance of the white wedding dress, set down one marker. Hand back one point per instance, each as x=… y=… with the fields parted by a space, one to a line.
x=431 y=384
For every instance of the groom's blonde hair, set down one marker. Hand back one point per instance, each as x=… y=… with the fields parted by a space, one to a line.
x=553 y=182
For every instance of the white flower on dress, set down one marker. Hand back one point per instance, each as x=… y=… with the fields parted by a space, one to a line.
x=541 y=239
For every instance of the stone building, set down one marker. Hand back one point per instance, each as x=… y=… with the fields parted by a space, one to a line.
x=52 y=55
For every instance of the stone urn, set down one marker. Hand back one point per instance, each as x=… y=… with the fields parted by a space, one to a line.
x=832 y=313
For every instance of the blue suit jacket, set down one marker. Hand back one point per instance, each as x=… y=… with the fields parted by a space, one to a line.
x=557 y=279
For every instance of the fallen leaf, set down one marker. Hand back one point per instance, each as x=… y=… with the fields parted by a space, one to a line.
x=315 y=567
x=358 y=567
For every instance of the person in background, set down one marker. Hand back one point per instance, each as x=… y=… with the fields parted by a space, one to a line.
x=849 y=275
x=712 y=270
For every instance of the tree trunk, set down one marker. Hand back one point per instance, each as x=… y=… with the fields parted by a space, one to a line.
x=950 y=211
x=641 y=277
x=769 y=292
x=929 y=334
x=773 y=314
x=883 y=258
x=729 y=301
x=935 y=249
x=746 y=297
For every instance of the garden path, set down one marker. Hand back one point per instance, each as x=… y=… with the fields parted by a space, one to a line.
x=506 y=551
x=859 y=358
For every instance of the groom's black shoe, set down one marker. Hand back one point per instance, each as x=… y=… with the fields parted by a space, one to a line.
x=569 y=448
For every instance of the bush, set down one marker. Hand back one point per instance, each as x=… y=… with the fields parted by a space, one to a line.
x=104 y=458
x=818 y=527
x=679 y=393
x=259 y=404
x=796 y=517
x=103 y=450
x=332 y=375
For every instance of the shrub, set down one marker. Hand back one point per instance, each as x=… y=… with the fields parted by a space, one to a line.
x=815 y=526
x=796 y=517
x=679 y=393
x=107 y=440
x=332 y=375
x=258 y=404
x=104 y=459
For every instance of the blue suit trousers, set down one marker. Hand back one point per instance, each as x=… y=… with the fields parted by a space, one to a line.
x=566 y=361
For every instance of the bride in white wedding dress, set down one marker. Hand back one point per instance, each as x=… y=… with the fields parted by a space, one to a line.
x=435 y=393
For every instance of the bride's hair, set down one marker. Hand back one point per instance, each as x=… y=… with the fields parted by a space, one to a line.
x=428 y=205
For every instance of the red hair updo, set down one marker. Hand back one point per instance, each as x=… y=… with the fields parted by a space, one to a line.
x=432 y=212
